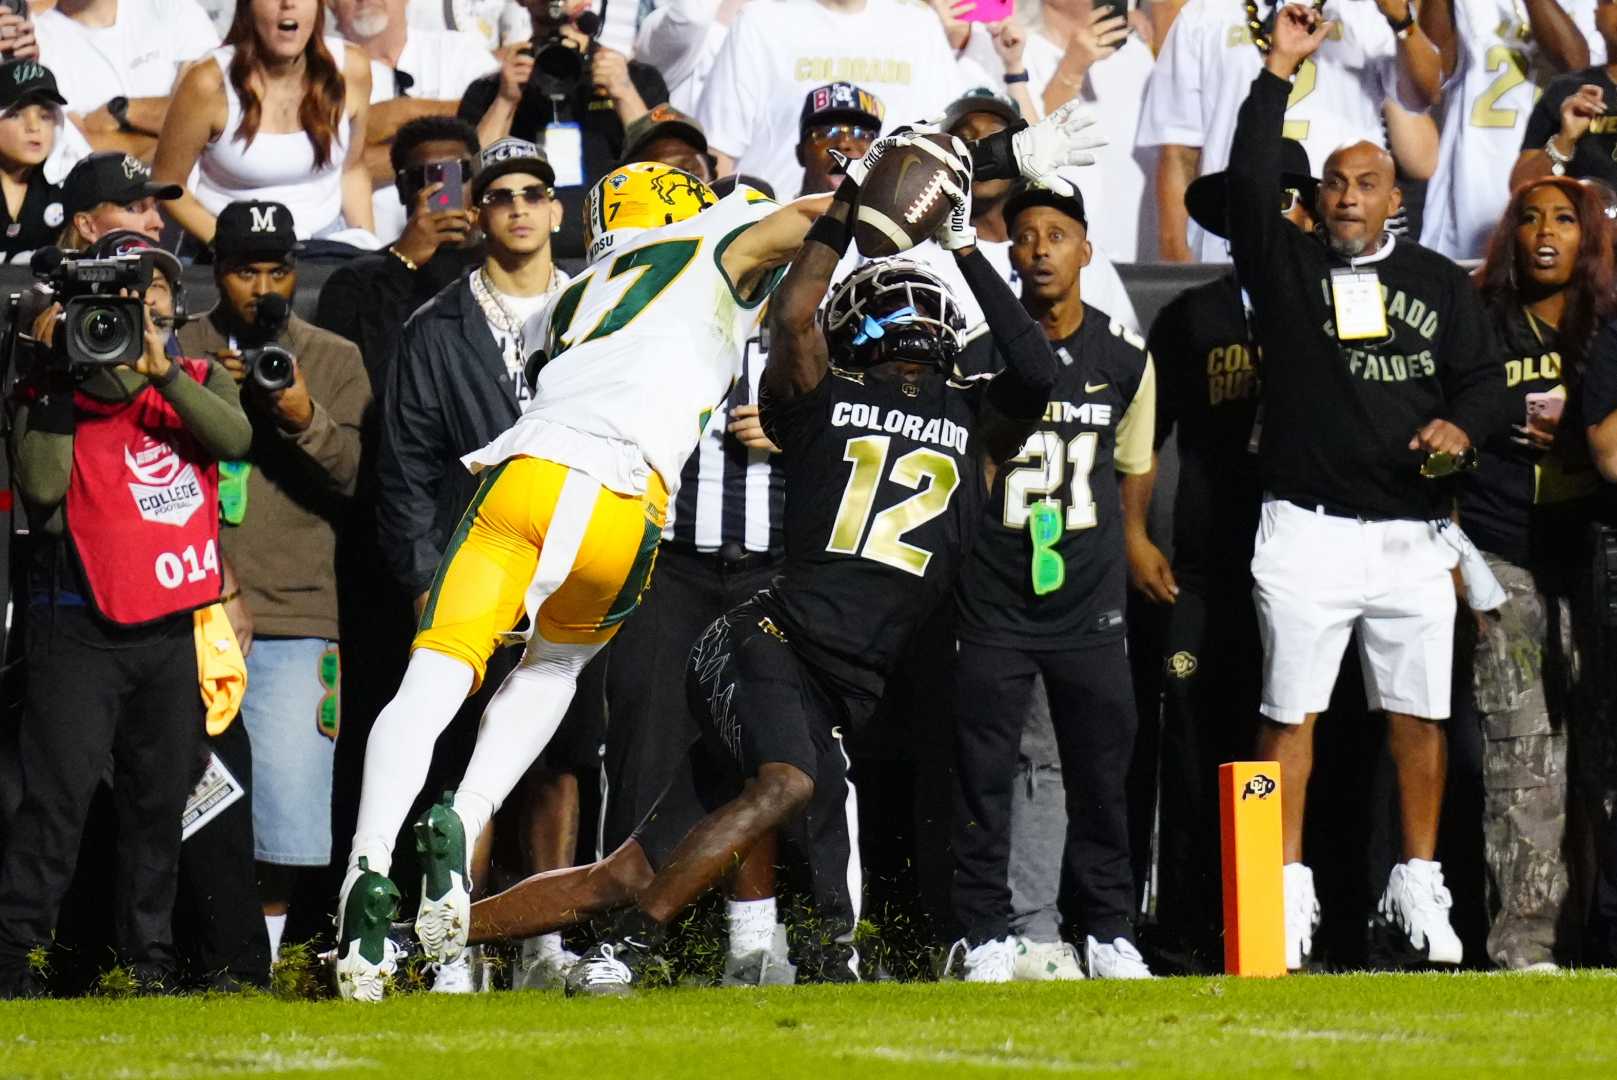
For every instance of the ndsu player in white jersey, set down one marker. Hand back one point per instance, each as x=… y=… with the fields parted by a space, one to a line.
x=1496 y=57
x=564 y=527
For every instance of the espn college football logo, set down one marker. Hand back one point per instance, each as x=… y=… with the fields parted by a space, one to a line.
x=1259 y=787
x=165 y=488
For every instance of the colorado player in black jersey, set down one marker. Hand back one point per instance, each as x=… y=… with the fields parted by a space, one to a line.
x=1209 y=380
x=1048 y=599
x=888 y=464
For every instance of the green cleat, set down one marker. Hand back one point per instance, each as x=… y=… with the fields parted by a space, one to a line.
x=366 y=958
x=445 y=914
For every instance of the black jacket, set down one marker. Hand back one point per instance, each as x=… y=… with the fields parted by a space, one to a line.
x=448 y=393
x=1338 y=416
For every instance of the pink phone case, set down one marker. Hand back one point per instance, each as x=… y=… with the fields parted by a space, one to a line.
x=990 y=11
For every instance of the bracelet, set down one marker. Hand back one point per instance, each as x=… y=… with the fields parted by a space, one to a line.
x=403 y=258
x=1019 y=77
x=1402 y=26
x=228 y=597
x=1554 y=151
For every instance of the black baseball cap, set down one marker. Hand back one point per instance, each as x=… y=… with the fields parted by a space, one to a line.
x=111 y=176
x=121 y=242
x=1207 y=197
x=1027 y=195
x=983 y=100
x=840 y=101
x=27 y=80
x=659 y=122
x=510 y=155
x=252 y=230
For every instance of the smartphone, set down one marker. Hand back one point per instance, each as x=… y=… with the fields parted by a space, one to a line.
x=990 y=11
x=1115 y=9
x=452 y=196
x=1544 y=410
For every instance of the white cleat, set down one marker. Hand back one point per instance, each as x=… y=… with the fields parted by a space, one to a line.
x=991 y=962
x=444 y=918
x=358 y=979
x=1417 y=903
x=457 y=976
x=1046 y=961
x=1119 y=960
x=542 y=969
x=1302 y=914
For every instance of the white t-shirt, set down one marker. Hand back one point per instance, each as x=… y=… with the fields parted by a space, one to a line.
x=443 y=63
x=1206 y=68
x=506 y=316
x=1499 y=76
x=138 y=56
x=497 y=22
x=681 y=40
x=777 y=52
x=1120 y=180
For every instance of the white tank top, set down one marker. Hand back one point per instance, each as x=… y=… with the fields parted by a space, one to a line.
x=273 y=167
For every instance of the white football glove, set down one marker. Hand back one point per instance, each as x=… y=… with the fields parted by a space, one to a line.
x=856 y=169
x=1056 y=141
x=956 y=231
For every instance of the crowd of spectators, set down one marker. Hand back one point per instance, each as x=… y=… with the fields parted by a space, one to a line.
x=375 y=141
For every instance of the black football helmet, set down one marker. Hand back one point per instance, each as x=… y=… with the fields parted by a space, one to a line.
x=892 y=309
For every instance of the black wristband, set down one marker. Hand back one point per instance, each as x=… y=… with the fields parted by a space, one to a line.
x=1019 y=77
x=992 y=158
x=834 y=234
x=1405 y=23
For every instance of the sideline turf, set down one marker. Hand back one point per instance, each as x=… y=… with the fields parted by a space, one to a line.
x=1355 y=1025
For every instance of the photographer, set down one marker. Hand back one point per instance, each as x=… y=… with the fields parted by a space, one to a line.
x=116 y=469
x=555 y=91
x=281 y=507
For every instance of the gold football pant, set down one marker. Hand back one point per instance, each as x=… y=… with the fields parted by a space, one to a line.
x=545 y=540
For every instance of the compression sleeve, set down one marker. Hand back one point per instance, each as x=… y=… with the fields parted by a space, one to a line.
x=1023 y=388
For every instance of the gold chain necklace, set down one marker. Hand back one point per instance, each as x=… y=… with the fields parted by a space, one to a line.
x=1255 y=24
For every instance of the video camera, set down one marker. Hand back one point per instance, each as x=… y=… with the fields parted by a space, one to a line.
x=556 y=64
x=269 y=366
x=97 y=327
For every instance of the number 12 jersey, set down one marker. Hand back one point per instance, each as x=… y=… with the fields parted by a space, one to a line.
x=884 y=489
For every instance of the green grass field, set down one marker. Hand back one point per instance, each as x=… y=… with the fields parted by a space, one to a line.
x=1544 y=1026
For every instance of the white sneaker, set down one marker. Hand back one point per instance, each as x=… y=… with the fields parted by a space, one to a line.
x=1418 y=904
x=457 y=976
x=542 y=969
x=1119 y=960
x=1302 y=914
x=762 y=967
x=1046 y=961
x=991 y=962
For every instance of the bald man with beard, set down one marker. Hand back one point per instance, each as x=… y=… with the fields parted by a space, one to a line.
x=1380 y=371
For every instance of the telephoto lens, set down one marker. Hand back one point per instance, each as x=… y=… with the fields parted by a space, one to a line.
x=270 y=367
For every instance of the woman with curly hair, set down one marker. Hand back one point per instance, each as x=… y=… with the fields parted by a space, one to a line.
x=275 y=114
x=1548 y=285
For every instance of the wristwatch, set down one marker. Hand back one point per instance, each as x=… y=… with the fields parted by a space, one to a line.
x=1403 y=26
x=118 y=109
x=1558 y=160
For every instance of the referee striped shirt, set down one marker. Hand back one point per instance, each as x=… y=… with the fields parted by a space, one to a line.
x=728 y=493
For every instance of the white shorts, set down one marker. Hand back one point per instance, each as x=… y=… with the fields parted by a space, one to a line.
x=1317 y=578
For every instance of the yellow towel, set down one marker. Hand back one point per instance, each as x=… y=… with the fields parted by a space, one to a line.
x=220 y=666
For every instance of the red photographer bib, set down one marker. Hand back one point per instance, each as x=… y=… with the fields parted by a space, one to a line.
x=143 y=506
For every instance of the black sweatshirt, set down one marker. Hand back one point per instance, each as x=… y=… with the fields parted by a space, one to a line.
x=1338 y=416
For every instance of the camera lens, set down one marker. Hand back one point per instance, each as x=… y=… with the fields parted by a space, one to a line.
x=272 y=368
x=102 y=333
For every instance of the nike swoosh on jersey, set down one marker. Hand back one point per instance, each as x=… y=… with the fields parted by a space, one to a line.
x=1095 y=388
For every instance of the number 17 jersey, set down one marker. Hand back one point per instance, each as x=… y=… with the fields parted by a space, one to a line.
x=884 y=491
x=641 y=347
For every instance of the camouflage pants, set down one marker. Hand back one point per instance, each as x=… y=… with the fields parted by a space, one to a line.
x=1545 y=744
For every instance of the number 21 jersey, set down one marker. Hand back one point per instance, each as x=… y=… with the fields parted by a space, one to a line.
x=884 y=490
x=1099 y=422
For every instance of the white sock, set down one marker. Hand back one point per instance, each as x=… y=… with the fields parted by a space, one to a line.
x=399 y=752
x=543 y=945
x=751 y=925
x=474 y=812
x=518 y=724
x=276 y=925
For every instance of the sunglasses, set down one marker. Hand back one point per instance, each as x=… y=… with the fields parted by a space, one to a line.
x=1439 y=464
x=532 y=195
x=829 y=133
x=1045 y=524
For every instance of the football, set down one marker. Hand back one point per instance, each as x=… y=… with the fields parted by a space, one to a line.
x=902 y=202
